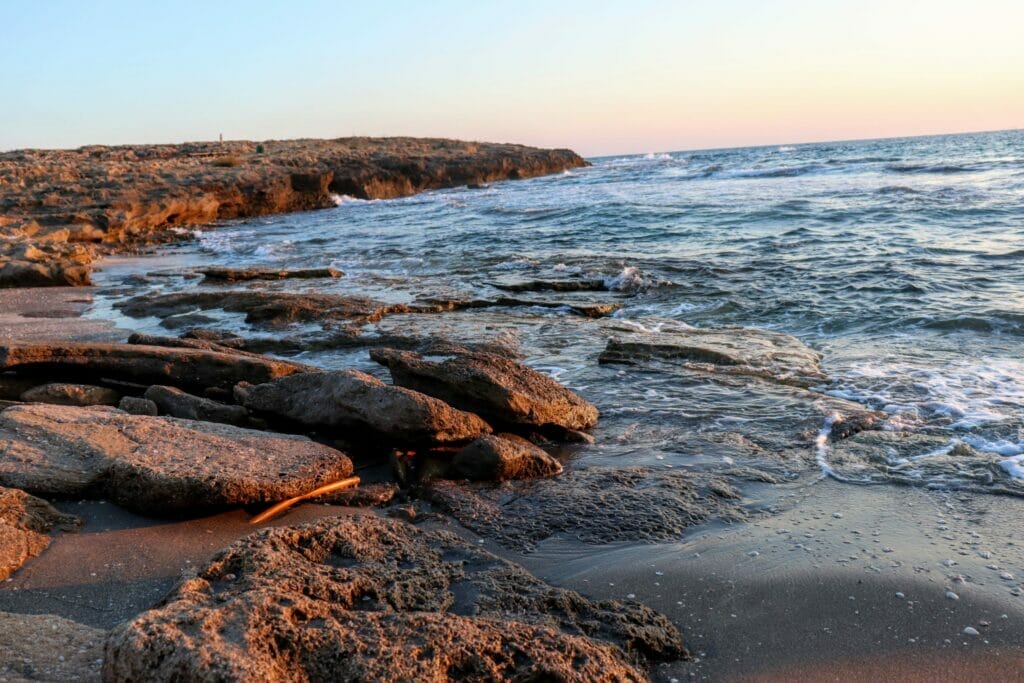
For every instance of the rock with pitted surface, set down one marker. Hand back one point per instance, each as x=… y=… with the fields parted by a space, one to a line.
x=157 y=465
x=61 y=393
x=176 y=403
x=359 y=407
x=501 y=457
x=26 y=523
x=746 y=351
x=186 y=368
x=365 y=598
x=501 y=390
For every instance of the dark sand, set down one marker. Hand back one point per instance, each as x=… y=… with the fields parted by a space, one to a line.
x=807 y=594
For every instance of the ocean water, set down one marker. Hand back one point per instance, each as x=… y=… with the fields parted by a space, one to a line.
x=901 y=261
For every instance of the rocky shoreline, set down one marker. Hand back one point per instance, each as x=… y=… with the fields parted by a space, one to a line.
x=62 y=209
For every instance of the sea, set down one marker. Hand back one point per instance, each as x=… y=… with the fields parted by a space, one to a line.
x=900 y=261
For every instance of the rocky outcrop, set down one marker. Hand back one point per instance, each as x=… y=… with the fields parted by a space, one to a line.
x=26 y=523
x=65 y=394
x=501 y=457
x=499 y=389
x=359 y=407
x=45 y=647
x=365 y=598
x=156 y=465
x=182 y=367
x=726 y=350
x=61 y=208
x=176 y=403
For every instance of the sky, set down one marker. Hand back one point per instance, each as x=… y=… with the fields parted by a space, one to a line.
x=599 y=77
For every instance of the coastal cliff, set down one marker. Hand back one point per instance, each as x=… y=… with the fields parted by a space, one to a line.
x=60 y=209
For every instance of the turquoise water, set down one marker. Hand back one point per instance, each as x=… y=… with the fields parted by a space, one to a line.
x=901 y=261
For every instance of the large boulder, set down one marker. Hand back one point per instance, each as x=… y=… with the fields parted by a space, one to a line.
x=498 y=388
x=361 y=407
x=726 y=350
x=503 y=456
x=363 y=598
x=176 y=403
x=25 y=526
x=186 y=368
x=157 y=465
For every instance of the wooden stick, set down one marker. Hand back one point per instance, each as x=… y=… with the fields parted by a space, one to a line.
x=351 y=482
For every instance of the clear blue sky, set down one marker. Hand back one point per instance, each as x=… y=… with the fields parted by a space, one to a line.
x=601 y=77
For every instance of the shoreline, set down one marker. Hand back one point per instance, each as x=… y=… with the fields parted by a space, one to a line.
x=813 y=585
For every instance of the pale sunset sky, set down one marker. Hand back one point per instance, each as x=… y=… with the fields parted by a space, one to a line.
x=599 y=77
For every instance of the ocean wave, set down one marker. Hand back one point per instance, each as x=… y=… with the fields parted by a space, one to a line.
x=1014 y=255
x=930 y=168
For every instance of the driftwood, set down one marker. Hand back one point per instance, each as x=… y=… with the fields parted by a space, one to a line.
x=270 y=513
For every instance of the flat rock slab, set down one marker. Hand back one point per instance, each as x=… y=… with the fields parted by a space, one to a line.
x=366 y=598
x=498 y=388
x=195 y=369
x=246 y=274
x=157 y=465
x=359 y=407
x=601 y=505
x=726 y=350
x=44 y=647
x=26 y=523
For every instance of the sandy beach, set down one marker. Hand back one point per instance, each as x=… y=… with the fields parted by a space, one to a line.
x=839 y=582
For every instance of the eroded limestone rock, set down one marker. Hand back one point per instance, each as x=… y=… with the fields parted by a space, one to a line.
x=366 y=598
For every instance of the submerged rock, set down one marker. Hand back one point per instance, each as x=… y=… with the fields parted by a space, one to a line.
x=502 y=457
x=365 y=598
x=267 y=308
x=185 y=368
x=45 y=647
x=500 y=389
x=359 y=407
x=726 y=350
x=25 y=526
x=920 y=460
x=64 y=394
x=583 y=285
x=177 y=403
x=596 y=506
x=245 y=274
x=157 y=465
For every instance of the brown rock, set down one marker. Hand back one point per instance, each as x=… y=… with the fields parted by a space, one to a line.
x=185 y=368
x=177 y=403
x=157 y=465
x=25 y=526
x=504 y=456
x=63 y=394
x=365 y=598
x=360 y=407
x=500 y=389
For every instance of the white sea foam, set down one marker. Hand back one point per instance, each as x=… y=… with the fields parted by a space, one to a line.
x=787 y=148
x=274 y=248
x=340 y=199
x=663 y=156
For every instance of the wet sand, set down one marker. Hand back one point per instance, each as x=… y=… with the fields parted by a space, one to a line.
x=840 y=582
